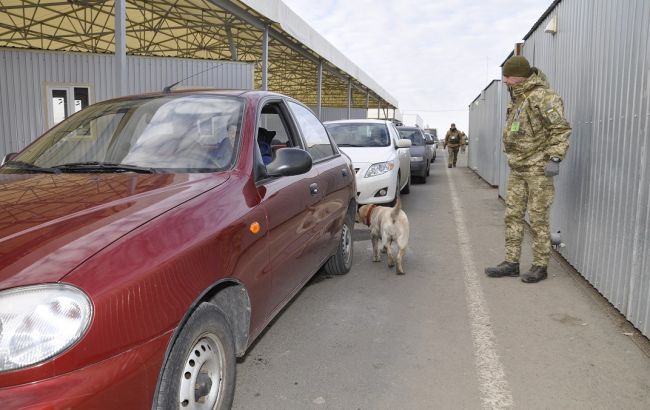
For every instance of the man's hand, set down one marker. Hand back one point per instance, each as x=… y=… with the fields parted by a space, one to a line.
x=552 y=169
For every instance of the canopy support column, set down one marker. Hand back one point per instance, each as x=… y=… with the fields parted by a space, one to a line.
x=265 y=59
x=319 y=91
x=120 y=48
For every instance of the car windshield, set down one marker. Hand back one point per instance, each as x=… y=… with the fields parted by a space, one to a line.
x=412 y=134
x=359 y=134
x=158 y=134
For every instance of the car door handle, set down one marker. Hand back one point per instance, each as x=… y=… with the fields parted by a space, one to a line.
x=313 y=188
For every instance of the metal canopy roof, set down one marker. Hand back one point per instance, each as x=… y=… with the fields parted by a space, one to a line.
x=203 y=29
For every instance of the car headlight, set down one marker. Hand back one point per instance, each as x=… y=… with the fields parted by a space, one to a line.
x=417 y=159
x=39 y=322
x=379 y=168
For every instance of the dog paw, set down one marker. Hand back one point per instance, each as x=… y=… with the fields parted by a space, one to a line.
x=391 y=265
x=376 y=259
x=400 y=272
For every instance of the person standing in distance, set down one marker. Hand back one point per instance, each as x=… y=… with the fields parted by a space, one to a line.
x=453 y=141
x=535 y=139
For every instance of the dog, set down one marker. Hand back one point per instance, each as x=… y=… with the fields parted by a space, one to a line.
x=386 y=225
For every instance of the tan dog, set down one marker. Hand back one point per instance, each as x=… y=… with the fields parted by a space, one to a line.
x=388 y=225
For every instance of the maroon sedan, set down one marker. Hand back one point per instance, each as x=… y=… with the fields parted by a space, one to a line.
x=146 y=241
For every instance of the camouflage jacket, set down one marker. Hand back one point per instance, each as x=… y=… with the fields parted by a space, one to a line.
x=453 y=135
x=536 y=129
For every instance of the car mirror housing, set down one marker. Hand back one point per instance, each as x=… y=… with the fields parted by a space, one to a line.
x=289 y=161
x=404 y=143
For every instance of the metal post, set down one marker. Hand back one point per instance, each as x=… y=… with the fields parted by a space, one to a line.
x=319 y=91
x=349 y=98
x=378 y=108
x=265 y=59
x=120 y=48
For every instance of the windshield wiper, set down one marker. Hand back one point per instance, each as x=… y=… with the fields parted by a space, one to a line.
x=350 y=145
x=32 y=168
x=95 y=166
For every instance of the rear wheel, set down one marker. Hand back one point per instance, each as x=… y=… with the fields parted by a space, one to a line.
x=200 y=370
x=341 y=262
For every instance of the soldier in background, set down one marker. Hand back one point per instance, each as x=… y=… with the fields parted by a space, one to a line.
x=453 y=141
x=536 y=139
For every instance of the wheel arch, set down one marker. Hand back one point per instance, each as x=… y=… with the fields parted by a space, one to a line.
x=231 y=297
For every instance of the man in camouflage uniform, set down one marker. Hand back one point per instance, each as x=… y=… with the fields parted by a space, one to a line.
x=536 y=139
x=453 y=141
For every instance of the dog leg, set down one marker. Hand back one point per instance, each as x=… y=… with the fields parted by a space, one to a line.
x=400 y=254
x=389 y=252
x=375 y=248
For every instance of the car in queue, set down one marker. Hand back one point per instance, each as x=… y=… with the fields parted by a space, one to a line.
x=420 y=161
x=432 y=146
x=381 y=159
x=146 y=243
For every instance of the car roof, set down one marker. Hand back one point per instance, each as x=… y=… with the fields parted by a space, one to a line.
x=357 y=121
x=203 y=91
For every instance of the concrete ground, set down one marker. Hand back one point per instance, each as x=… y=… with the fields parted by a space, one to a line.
x=445 y=336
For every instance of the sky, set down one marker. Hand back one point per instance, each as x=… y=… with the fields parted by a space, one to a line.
x=434 y=56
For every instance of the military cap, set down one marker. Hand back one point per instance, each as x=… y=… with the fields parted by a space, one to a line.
x=517 y=66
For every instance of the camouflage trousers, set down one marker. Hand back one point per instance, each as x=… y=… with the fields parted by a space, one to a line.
x=535 y=193
x=453 y=155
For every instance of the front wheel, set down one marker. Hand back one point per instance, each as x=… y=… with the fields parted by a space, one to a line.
x=341 y=262
x=200 y=370
x=407 y=188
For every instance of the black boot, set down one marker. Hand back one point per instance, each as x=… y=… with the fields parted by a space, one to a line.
x=505 y=268
x=449 y=166
x=535 y=274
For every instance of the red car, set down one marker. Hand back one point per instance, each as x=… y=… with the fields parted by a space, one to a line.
x=146 y=241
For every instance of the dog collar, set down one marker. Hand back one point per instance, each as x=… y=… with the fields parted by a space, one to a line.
x=370 y=209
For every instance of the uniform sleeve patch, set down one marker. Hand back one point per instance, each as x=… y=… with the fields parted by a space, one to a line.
x=553 y=116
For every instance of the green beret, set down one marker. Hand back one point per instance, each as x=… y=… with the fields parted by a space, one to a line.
x=517 y=66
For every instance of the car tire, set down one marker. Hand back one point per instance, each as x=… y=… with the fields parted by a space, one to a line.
x=341 y=262
x=203 y=354
x=407 y=188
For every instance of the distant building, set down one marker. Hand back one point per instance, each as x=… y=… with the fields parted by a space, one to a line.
x=413 y=120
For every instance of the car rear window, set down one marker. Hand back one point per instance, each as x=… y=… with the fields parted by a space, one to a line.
x=359 y=134
x=412 y=134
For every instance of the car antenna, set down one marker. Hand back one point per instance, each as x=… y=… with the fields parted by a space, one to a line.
x=168 y=89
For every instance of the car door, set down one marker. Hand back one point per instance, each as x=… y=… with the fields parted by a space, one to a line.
x=403 y=154
x=334 y=181
x=290 y=203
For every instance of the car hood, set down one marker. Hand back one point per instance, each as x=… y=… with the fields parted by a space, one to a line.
x=49 y=224
x=417 y=150
x=369 y=155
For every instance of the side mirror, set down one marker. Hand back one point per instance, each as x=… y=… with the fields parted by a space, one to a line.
x=429 y=142
x=8 y=157
x=404 y=143
x=289 y=161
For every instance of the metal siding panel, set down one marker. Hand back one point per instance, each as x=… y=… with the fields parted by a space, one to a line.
x=26 y=71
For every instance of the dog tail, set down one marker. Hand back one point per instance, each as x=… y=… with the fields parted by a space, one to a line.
x=394 y=213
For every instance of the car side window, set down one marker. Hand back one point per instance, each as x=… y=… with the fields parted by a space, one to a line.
x=273 y=133
x=314 y=133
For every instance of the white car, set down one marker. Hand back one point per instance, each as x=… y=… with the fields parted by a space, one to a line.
x=381 y=159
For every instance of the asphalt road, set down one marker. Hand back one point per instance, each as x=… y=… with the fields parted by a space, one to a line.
x=444 y=336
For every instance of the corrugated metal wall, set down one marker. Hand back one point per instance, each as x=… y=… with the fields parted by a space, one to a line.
x=485 y=150
x=599 y=62
x=24 y=75
x=334 y=113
